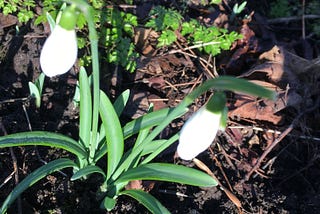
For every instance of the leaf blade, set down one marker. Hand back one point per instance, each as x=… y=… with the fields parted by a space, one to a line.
x=43 y=138
x=87 y=171
x=150 y=202
x=85 y=109
x=168 y=172
x=113 y=131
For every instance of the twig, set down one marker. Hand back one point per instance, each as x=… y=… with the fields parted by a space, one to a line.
x=194 y=47
x=221 y=169
x=268 y=150
x=35 y=147
x=292 y=18
x=171 y=86
x=15 y=169
x=182 y=84
x=7 y=179
x=276 y=141
x=170 y=192
x=303 y=19
x=274 y=131
x=230 y=195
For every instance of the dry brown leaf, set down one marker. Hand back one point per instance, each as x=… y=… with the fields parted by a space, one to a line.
x=142 y=43
x=250 y=108
x=7 y=20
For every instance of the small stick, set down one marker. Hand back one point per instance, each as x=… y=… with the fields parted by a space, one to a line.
x=303 y=20
x=35 y=147
x=292 y=18
x=276 y=141
x=195 y=46
x=15 y=169
x=230 y=195
x=268 y=150
x=221 y=169
x=7 y=179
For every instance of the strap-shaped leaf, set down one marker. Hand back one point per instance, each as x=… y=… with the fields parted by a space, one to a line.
x=85 y=109
x=159 y=148
x=34 y=177
x=121 y=101
x=87 y=170
x=168 y=172
x=34 y=91
x=43 y=138
x=148 y=120
x=113 y=131
x=147 y=200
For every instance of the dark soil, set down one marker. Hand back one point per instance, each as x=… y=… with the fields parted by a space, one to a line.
x=287 y=181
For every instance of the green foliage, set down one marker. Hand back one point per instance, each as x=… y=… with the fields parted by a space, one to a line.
x=48 y=6
x=21 y=8
x=284 y=8
x=36 y=89
x=237 y=9
x=117 y=36
x=211 y=40
x=280 y=8
x=166 y=21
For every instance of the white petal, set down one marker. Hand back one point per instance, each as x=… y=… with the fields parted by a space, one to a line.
x=198 y=133
x=59 y=52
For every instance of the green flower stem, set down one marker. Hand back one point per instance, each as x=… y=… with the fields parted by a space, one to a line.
x=88 y=12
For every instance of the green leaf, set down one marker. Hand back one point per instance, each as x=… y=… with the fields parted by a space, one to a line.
x=232 y=84
x=51 y=21
x=215 y=1
x=148 y=120
x=168 y=172
x=85 y=109
x=108 y=203
x=87 y=170
x=166 y=38
x=43 y=138
x=147 y=200
x=34 y=92
x=143 y=133
x=34 y=177
x=121 y=101
x=238 y=9
x=154 y=148
x=36 y=89
x=39 y=82
x=114 y=136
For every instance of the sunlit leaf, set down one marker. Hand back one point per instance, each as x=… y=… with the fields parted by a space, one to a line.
x=113 y=131
x=168 y=172
x=87 y=170
x=147 y=200
x=43 y=138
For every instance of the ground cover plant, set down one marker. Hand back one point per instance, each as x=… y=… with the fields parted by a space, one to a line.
x=180 y=68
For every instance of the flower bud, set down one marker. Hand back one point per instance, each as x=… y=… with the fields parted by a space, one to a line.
x=201 y=128
x=60 y=50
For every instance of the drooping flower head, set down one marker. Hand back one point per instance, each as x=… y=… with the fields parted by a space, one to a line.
x=60 y=50
x=201 y=128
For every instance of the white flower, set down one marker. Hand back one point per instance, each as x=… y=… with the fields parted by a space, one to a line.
x=198 y=133
x=59 y=52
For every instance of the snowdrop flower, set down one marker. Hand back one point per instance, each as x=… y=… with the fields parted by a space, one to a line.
x=60 y=50
x=201 y=128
